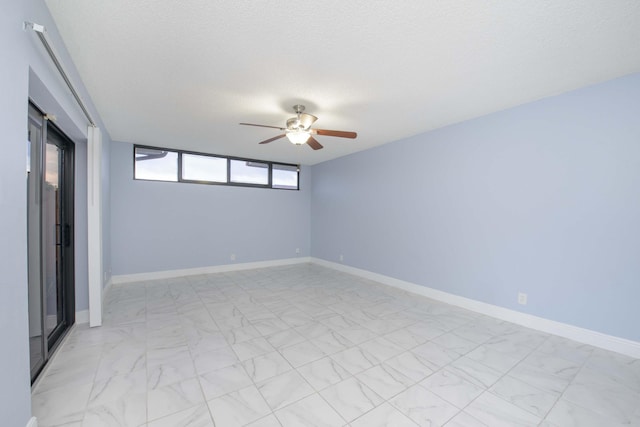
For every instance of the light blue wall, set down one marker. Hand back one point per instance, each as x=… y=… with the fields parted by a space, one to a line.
x=15 y=404
x=542 y=199
x=26 y=72
x=160 y=226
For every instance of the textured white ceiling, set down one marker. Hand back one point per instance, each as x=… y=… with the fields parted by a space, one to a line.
x=183 y=74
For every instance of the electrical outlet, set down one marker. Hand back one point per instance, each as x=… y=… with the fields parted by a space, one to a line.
x=341 y=257
x=522 y=298
x=233 y=257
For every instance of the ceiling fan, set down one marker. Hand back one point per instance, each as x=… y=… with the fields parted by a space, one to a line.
x=299 y=130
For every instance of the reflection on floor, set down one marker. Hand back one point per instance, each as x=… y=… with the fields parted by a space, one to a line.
x=308 y=346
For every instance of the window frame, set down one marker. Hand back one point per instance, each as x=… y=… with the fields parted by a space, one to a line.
x=274 y=167
x=269 y=165
x=178 y=157
x=229 y=183
x=197 y=181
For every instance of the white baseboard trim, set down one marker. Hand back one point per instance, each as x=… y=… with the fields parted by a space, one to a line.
x=33 y=422
x=82 y=317
x=170 y=274
x=586 y=336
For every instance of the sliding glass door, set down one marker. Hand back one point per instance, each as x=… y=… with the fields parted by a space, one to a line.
x=50 y=178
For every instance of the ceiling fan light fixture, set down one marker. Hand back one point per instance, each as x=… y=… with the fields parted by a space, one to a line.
x=299 y=131
x=298 y=137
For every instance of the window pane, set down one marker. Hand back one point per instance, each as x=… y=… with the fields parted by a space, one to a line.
x=246 y=172
x=204 y=168
x=157 y=165
x=285 y=176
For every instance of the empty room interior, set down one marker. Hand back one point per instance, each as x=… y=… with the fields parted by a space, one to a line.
x=277 y=214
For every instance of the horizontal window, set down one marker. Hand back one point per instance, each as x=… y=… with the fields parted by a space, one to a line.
x=156 y=165
x=204 y=168
x=245 y=172
x=285 y=176
x=159 y=164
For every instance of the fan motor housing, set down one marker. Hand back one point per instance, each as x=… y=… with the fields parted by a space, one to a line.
x=294 y=124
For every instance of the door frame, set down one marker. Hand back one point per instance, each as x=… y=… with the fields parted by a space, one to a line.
x=50 y=342
x=67 y=233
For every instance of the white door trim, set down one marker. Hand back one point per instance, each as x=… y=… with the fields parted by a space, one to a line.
x=94 y=224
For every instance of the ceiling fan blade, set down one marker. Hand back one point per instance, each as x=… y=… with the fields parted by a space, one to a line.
x=262 y=126
x=338 y=133
x=313 y=143
x=266 y=141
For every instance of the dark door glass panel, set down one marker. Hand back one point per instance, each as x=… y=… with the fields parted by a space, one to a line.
x=52 y=237
x=34 y=174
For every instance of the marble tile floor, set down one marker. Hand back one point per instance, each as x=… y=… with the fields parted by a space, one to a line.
x=304 y=345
